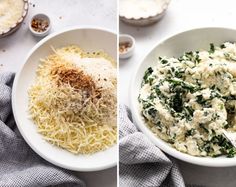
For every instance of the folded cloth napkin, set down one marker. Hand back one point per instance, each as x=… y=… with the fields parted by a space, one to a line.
x=19 y=165
x=142 y=164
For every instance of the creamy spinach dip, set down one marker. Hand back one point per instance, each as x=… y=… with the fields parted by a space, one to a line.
x=189 y=101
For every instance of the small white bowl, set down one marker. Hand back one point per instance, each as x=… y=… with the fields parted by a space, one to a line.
x=40 y=34
x=127 y=38
x=192 y=40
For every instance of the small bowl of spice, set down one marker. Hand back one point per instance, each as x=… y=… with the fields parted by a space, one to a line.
x=40 y=25
x=126 y=46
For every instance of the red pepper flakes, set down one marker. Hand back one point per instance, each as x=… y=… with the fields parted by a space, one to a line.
x=124 y=46
x=39 y=25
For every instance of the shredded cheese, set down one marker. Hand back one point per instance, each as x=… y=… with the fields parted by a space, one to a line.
x=69 y=103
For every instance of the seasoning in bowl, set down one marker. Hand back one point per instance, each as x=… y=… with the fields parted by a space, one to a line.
x=124 y=47
x=39 y=25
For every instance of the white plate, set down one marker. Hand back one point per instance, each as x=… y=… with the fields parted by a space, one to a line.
x=176 y=45
x=89 y=39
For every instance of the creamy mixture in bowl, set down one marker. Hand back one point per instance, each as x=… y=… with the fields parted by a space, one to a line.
x=189 y=101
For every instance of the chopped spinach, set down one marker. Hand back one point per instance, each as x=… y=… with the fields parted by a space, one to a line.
x=215 y=94
x=151 y=96
x=229 y=57
x=189 y=87
x=203 y=127
x=152 y=112
x=200 y=100
x=207 y=147
x=190 y=132
x=172 y=139
x=158 y=91
x=188 y=111
x=183 y=84
x=204 y=102
x=179 y=73
x=159 y=125
x=190 y=56
x=231 y=152
x=146 y=104
x=213 y=87
x=150 y=80
x=215 y=116
x=225 y=146
x=197 y=59
x=212 y=48
x=177 y=102
x=222 y=46
x=163 y=61
x=226 y=125
x=147 y=73
x=205 y=113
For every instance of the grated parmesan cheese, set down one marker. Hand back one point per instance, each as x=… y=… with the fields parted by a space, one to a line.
x=10 y=12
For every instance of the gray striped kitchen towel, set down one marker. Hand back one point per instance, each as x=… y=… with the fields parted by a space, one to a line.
x=142 y=164
x=19 y=165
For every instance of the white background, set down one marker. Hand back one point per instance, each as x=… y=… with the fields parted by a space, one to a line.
x=13 y=49
x=182 y=15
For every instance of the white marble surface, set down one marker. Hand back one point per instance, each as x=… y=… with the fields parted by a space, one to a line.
x=182 y=15
x=63 y=13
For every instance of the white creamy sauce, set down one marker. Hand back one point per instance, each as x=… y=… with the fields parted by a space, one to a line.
x=189 y=101
x=10 y=12
x=140 y=8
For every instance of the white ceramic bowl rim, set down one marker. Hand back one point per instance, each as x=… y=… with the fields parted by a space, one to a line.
x=38 y=151
x=203 y=161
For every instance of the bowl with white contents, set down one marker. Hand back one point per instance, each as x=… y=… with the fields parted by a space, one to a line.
x=40 y=25
x=12 y=15
x=142 y=12
x=183 y=96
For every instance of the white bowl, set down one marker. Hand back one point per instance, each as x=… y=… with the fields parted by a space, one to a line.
x=130 y=51
x=44 y=33
x=176 y=45
x=90 y=39
x=18 y=23
x=148 y=19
